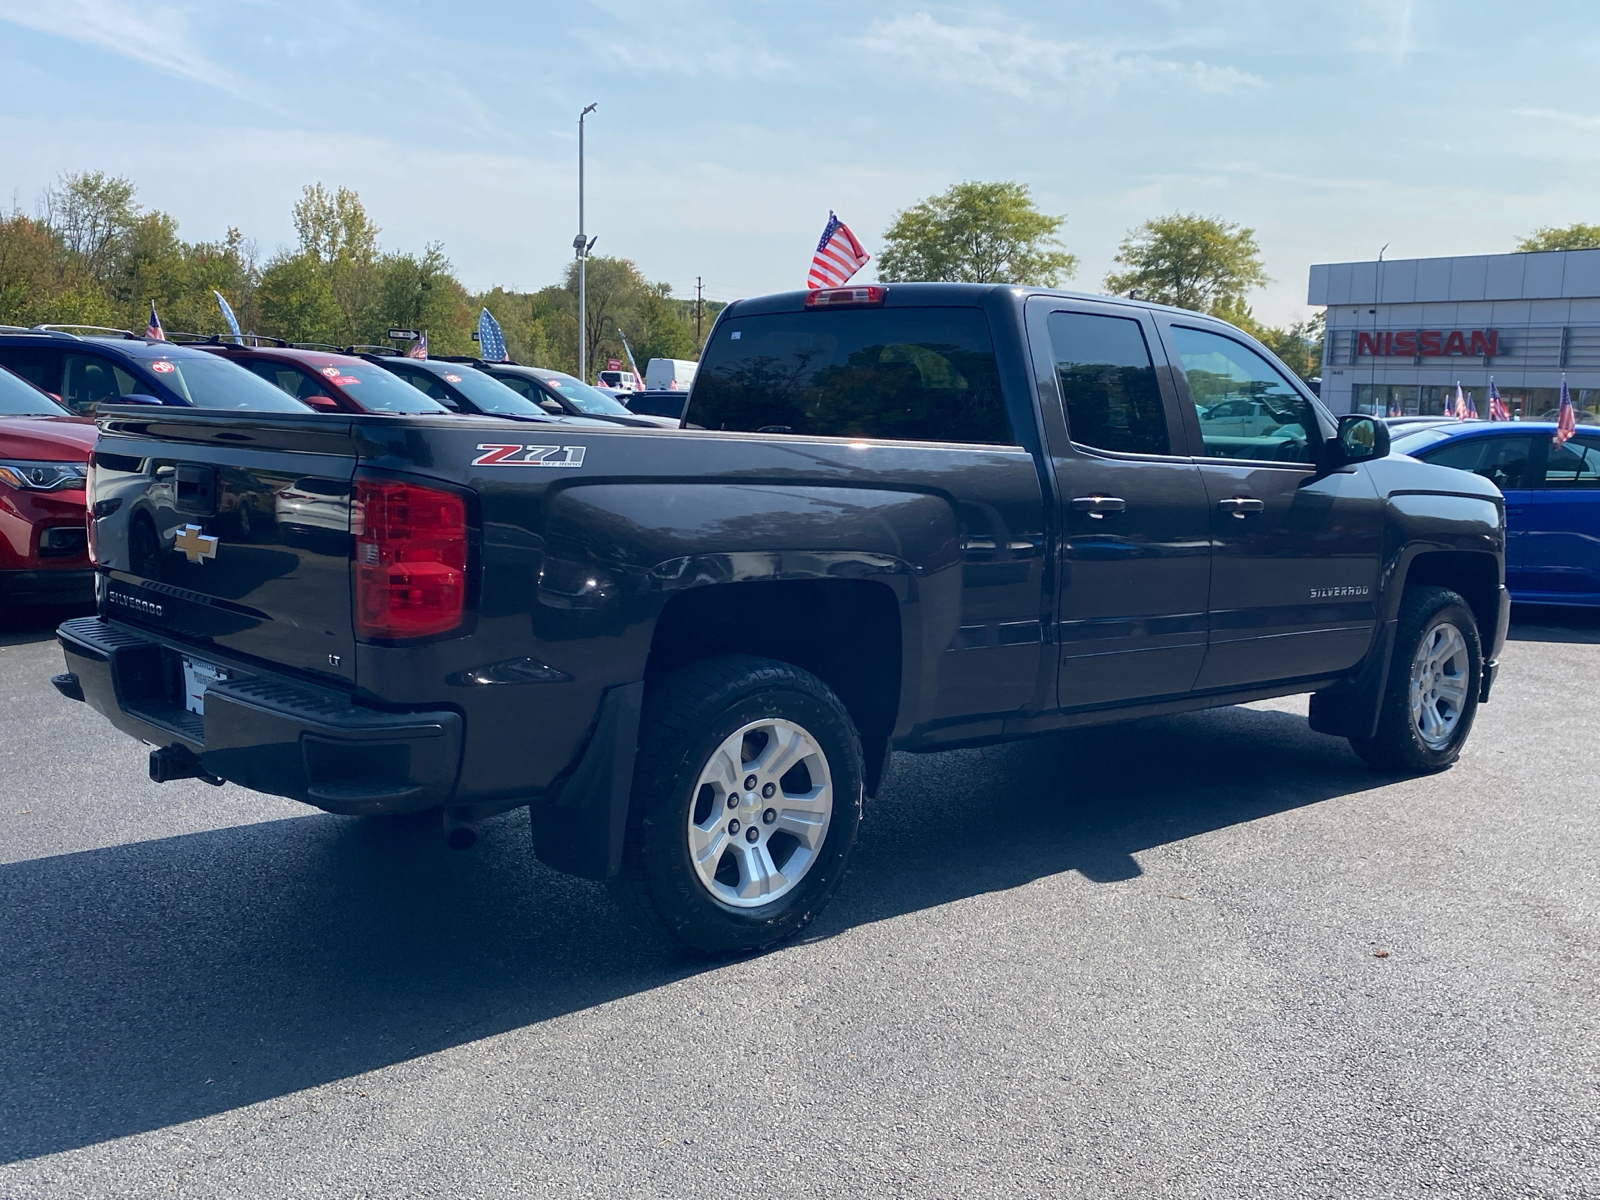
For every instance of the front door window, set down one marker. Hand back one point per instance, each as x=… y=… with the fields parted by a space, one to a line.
x=1245 y=407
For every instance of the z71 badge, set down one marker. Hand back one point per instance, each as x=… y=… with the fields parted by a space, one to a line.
x=499 y=455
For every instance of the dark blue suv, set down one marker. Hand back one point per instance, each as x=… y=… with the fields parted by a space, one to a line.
x=113 y=367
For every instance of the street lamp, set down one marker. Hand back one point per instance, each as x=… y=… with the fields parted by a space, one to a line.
x=580 y=246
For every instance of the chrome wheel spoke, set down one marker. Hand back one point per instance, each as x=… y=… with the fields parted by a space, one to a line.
x=759 y=877
x=784 y=748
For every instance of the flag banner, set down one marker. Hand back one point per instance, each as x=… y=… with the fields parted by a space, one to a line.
x=227 y=315
x=491 y=341
x=1566 y=419
x=838 y=256
x=420 y=350
x=153 y=330
x=1461 y=403
x=1497 y=406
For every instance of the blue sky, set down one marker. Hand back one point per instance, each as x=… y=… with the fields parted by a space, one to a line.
x=726 y=131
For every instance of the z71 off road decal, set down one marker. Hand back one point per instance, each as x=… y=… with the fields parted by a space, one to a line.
x=506 y=455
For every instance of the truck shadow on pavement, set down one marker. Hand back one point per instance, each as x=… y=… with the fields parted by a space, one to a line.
x=148 y=984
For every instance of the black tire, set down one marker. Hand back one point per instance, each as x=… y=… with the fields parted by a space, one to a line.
x=687 y=716
x=1399 y=746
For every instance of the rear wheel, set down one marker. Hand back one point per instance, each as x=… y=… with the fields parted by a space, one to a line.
x=1432 y=694
x=747 y=797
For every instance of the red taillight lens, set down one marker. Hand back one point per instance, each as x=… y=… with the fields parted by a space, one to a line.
x=841 y=297
x=410 y=559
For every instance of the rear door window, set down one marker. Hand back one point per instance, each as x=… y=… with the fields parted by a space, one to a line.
x=922 y=374
x=39 y=365
x=1108 y=383
x=1575 y=464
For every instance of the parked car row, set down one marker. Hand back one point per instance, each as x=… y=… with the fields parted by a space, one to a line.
x=53 y=380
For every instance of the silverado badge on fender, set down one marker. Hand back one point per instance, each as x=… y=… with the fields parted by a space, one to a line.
x=497 y=454
x=196 y=544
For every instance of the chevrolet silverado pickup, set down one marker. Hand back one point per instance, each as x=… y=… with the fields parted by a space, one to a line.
x=904 y=517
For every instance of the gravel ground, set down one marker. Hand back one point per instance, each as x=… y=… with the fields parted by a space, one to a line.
x=1202 y=956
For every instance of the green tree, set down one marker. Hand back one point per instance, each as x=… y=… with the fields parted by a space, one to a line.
x=296 y=302
x=1189 y=261
x=976 y=233
x=91 y=212
x=1577 y=236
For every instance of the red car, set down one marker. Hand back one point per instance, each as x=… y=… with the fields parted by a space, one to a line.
x=327 y=381
x=44 y=455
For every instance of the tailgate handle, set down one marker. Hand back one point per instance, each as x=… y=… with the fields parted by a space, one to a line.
x=196 y=486
x=1099 y=507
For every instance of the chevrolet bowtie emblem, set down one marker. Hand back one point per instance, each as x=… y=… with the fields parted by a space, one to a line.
x=197 y=545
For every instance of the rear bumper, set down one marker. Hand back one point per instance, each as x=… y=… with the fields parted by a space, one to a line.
x=266 y=731
x=61 y=585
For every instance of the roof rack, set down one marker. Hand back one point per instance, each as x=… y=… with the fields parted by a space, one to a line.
x=389 y=351
x=179 y=337
x=323 y=346
x=459 y=358
x=67 y=329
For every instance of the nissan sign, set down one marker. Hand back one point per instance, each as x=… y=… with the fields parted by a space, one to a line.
x=1428 y=343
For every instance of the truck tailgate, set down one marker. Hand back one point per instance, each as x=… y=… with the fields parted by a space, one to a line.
x=232 y=530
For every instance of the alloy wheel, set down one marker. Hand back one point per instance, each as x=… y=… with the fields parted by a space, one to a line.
x=1440 y=673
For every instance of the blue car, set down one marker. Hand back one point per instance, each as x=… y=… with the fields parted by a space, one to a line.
x=1552 y=500
x=113 y=367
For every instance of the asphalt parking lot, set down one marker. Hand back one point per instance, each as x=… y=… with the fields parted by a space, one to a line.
x=1204 y=956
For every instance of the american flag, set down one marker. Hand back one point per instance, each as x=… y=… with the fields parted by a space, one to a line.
x=1566 y=419
x=153 y=331
x=1461 y=403
x=838 y=256
x=1497 y=406
x=227 y=315
x=419 y=349
x=491 y=342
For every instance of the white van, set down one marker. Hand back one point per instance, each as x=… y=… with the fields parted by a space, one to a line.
x=617 y=381
x=669 y=374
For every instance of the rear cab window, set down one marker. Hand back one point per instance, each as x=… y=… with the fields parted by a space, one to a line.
x=916 y=374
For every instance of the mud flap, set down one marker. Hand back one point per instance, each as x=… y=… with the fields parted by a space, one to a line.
x=1350 y=708
x=580 y=830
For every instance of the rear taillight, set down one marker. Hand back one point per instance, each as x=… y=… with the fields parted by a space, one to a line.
x=845 y=297
x=410 y=569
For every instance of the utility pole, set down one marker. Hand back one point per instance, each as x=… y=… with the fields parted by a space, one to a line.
x=697 y=290
x=580 y=246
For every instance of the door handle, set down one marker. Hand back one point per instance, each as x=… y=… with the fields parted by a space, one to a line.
x=1099 y=507
x=1241 y=506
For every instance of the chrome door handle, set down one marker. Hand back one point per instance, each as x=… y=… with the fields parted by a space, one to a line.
x=1099 y=507
x=1241 y=506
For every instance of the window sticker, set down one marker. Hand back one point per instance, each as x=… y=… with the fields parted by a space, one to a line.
x=452 y=379
x=330 y=372
x=163 y=367
x=343 y=380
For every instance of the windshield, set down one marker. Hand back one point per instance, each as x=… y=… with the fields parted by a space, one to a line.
x=208 y=382
x=584 y=397
x=1410 y=443
x=377 y=390
x=490 y=394
x=19 y=399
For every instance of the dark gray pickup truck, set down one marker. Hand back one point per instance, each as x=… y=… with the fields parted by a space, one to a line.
x=898 y=518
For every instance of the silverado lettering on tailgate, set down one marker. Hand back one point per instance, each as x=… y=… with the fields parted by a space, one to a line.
x=497 y=454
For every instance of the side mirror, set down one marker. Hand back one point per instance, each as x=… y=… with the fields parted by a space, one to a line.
x=320 y=403
x=1360 y=439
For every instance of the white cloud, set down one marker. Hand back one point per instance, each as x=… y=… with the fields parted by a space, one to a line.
x=1555 y=117
x=157 y=37
x=681 y=40
x=1384 y=27
x=1023 y=64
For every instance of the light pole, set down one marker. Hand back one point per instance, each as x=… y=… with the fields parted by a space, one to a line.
x=580 y=245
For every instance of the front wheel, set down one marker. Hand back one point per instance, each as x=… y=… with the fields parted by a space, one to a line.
x=1432 y=693
x=746 y=801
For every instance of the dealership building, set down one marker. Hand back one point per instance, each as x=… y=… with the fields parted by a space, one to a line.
x=1403 y=334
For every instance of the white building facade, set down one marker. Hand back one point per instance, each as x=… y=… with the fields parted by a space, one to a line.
x=1403 y=334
